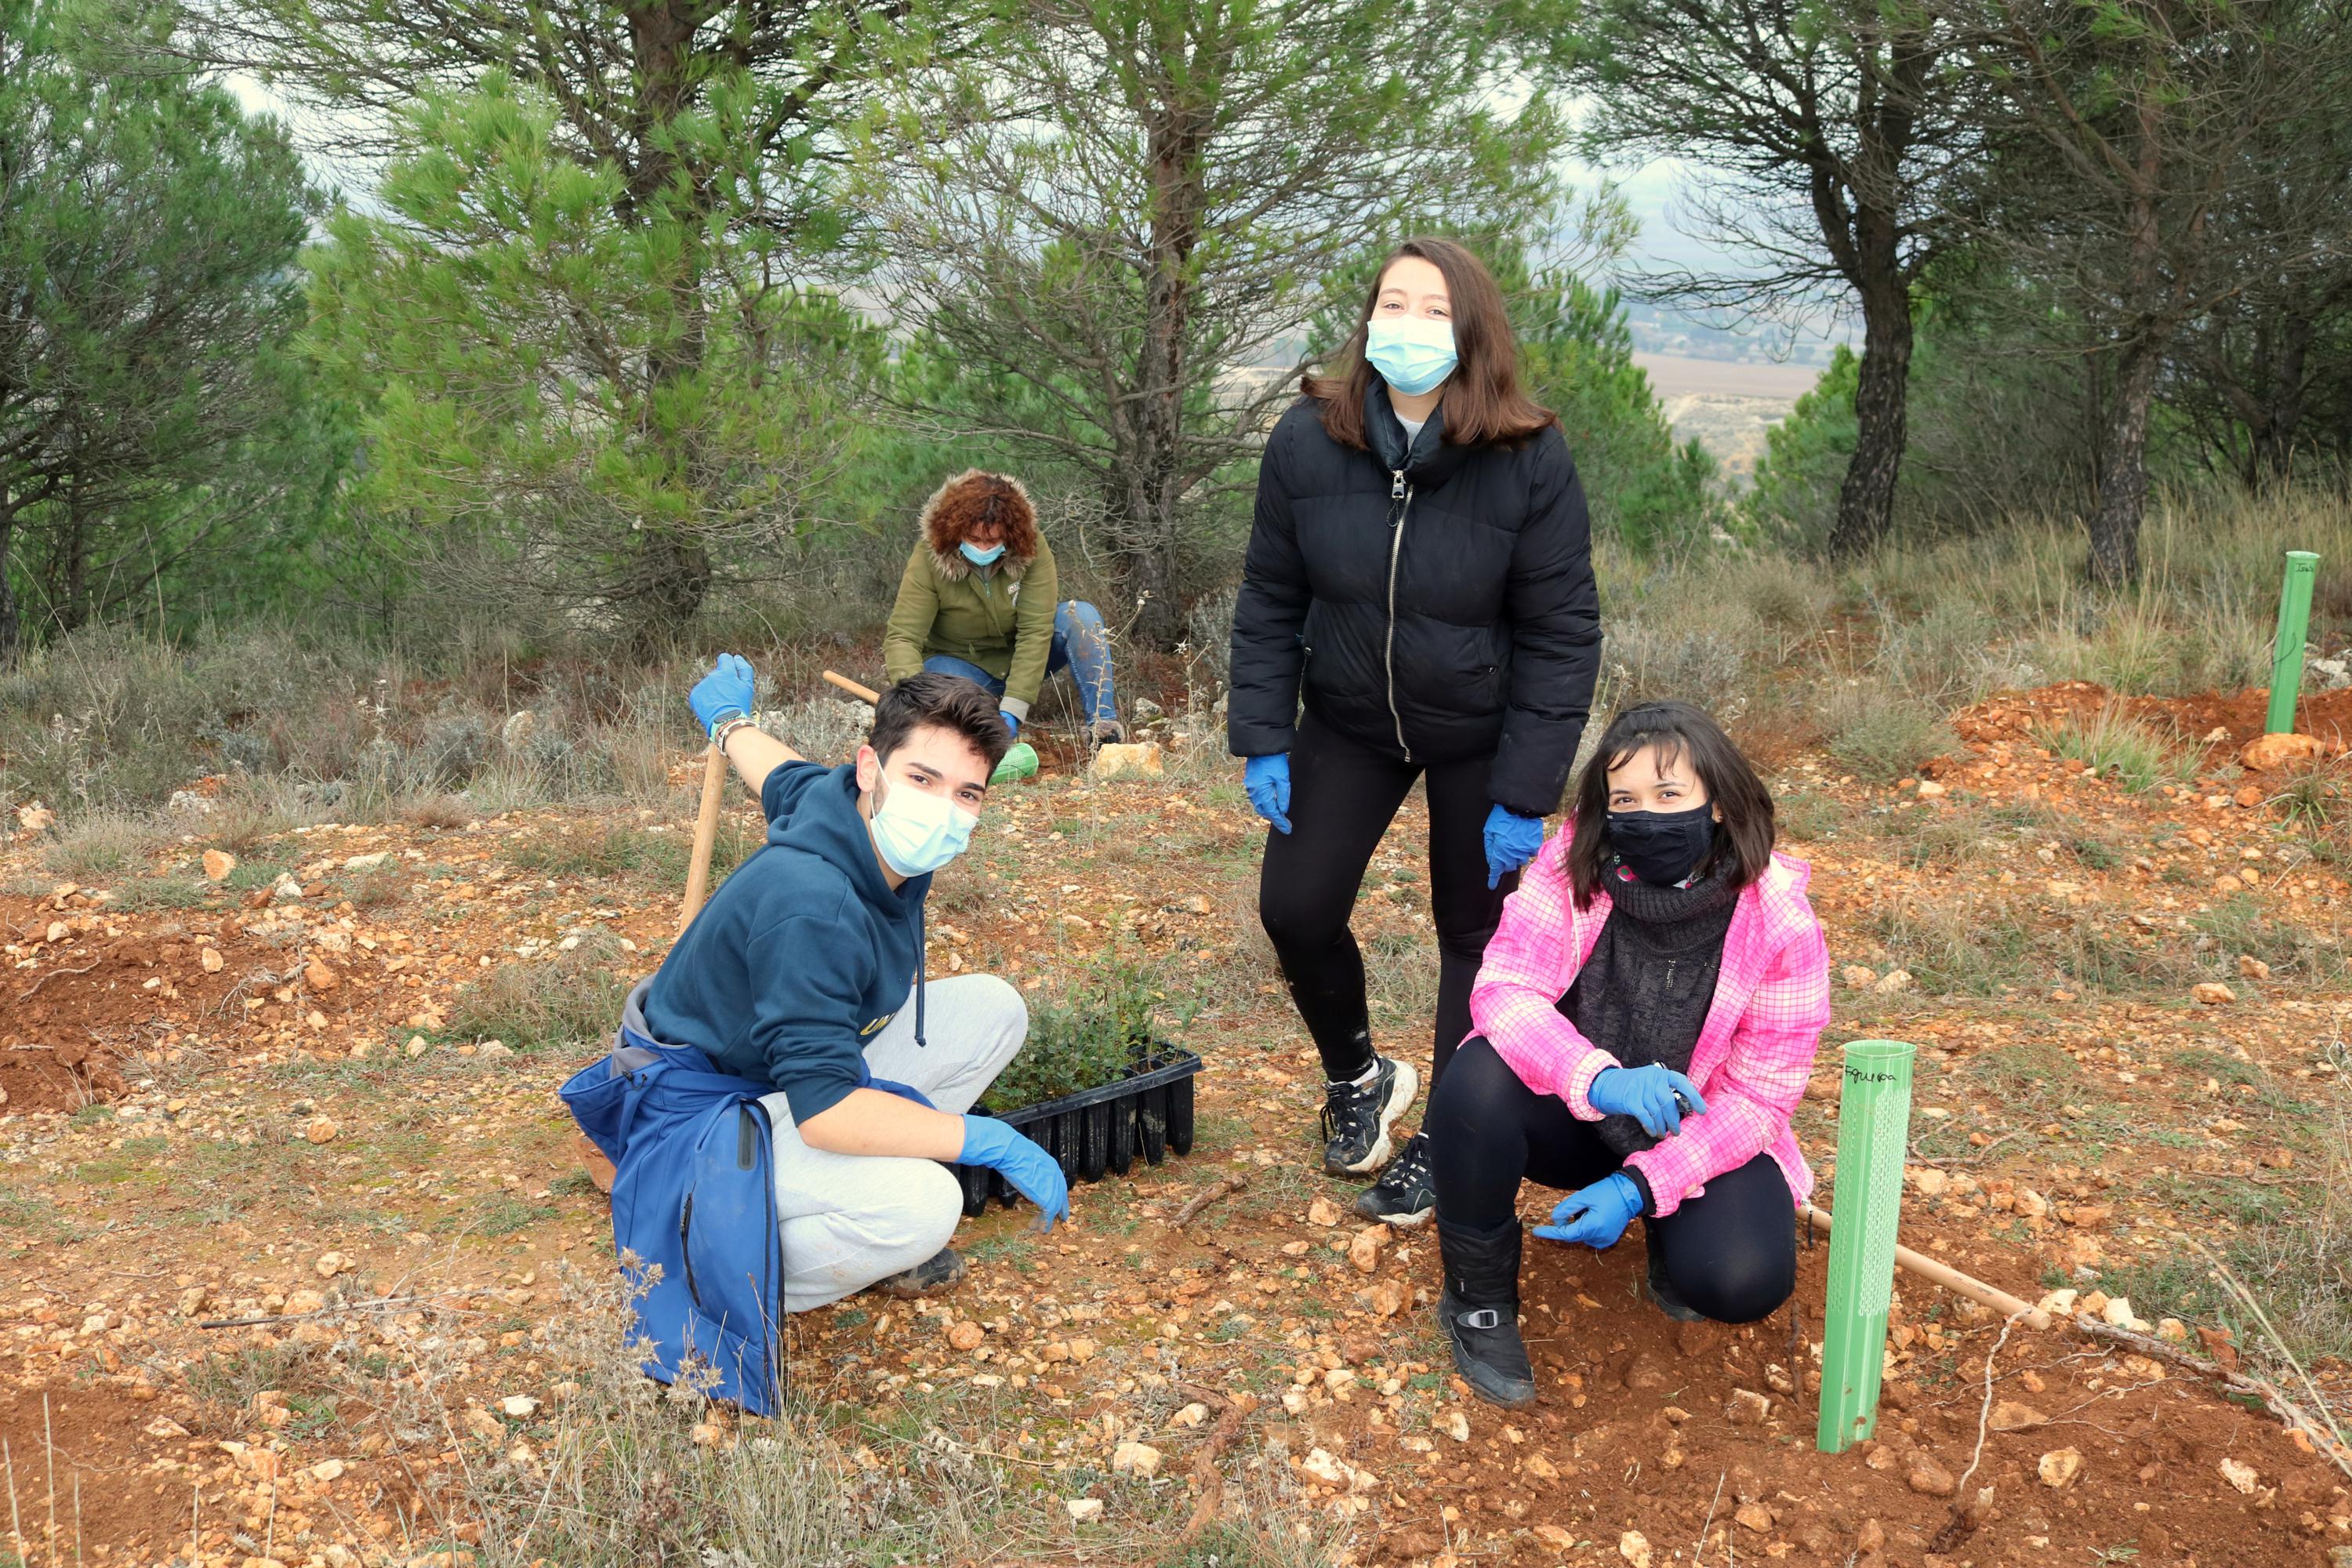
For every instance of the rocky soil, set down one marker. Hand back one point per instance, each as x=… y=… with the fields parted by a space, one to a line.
x=287 y=1231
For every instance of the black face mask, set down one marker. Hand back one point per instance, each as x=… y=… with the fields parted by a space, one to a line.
x=1662 y=847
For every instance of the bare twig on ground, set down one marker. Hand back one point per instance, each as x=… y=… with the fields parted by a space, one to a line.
x=380 y=1304
x=26 y=994
x=1206 y=1473
x=2274 y=1399
x=2327 y=1431
x=1708 y=1523
x=1222 y=1187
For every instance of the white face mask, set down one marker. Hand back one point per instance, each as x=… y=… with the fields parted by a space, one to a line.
x=917 y=833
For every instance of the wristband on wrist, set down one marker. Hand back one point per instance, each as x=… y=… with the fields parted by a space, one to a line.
x=726 y=727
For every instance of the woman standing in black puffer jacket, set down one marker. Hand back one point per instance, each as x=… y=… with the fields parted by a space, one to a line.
x=1420 y=576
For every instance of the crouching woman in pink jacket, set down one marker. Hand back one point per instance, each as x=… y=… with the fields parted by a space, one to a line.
x=1646 y=1016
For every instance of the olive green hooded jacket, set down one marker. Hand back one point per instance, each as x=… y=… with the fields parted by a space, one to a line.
x=999 y=617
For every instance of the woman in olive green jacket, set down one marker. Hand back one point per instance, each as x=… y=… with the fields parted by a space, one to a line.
x=977 y=600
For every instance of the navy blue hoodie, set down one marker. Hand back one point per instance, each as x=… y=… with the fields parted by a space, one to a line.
x=800 y=957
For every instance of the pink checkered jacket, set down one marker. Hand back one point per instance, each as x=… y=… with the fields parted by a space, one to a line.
x=1754 y=1052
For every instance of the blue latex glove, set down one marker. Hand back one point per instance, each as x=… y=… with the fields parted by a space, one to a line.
x=1648 y=1095
x=1267 y=780
x=1512 y=841
x=1033 y=1173
x=903 y=1091
x=1595 y=1215
x=727 y=689
x=1011 y=722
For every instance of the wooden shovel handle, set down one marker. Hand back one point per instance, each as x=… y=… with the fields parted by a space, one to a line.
x=1951 y=1278
x=863 y=694
x=706 y=833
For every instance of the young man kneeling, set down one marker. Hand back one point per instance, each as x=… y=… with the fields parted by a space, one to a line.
x=804 y=972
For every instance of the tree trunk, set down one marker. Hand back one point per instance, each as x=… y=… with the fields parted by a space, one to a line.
x=672 y=573
x=2123 y=480
x=2270 y=462
x=1867 y=499
x=1149 y=499
x=8 y=624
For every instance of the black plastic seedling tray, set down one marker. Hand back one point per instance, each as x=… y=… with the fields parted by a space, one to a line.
x=1149 y=1111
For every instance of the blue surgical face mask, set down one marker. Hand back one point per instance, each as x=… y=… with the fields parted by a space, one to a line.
x=980 y=557
x=1413 y=353
x=917 y=833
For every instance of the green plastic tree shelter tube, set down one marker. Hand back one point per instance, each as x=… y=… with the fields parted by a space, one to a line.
x=2286 y=649
x=1874 y=1132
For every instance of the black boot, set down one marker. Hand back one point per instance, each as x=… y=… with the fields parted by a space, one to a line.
x=1662 y=1289
x=1480 y=1311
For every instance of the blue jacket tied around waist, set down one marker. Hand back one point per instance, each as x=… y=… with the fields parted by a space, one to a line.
x=694 y=1209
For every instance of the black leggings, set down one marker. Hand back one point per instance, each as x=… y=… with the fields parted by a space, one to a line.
x=1342 y=798
x=1730 y=1253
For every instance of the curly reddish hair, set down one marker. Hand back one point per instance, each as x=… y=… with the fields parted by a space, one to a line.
x=971 y=500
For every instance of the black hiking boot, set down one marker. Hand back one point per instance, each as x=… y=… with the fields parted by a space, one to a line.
x=943 y=1271
x=1662 y=1289
x=1480 y=1311
x=1356 y=1121
x=1406 y=1194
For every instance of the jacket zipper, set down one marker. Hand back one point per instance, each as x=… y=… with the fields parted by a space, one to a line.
x=1398 y=492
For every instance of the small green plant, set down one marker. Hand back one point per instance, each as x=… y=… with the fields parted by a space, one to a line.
x=1088 y=1035
x=2113 y=746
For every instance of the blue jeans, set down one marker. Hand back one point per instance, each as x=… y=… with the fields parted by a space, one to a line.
x=1080 y=645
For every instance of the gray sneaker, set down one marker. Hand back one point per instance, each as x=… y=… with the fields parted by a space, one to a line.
x=943 y=1271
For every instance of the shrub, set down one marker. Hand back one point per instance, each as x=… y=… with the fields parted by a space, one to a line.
x=1883 y=734
x=2115 y=746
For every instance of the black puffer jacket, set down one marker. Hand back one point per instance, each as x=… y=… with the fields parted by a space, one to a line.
x=1434 y=604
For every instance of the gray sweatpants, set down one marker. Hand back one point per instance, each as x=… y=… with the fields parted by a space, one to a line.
x=851 y=1219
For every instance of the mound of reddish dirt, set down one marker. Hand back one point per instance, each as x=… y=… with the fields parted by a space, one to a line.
x=2020 y=716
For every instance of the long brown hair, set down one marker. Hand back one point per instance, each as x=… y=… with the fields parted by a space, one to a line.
x=1482 y=400
x=1743 y=839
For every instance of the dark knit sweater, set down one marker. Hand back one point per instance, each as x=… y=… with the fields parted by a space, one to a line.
x=1643 y=996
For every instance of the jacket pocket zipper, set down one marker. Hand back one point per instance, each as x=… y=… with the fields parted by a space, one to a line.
x=685 y=1249
x=1398 y=492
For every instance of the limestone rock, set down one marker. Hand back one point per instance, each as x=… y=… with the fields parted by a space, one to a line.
x=1634 y=1548
x=1323 y=1212
x=1364 y=1251
x=1754 y=1515
x=2212 y=992
x=2253 y=968
x=218 y=864
x=322 y=1129
x=319 y=976
x=2010 y=1415
x=330 y=1264
x=1140 y=760
x=2059 y=1468
x=967 y=1336
x=1135 y=1459
x=2266 y=751
x=1858 y=977
x=1748 y=1408
x=1929 y=1478
x=2241 y=1475
x=211 y=960
x=1894 y=982
x=519 y=1405
x=1084 y=1510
